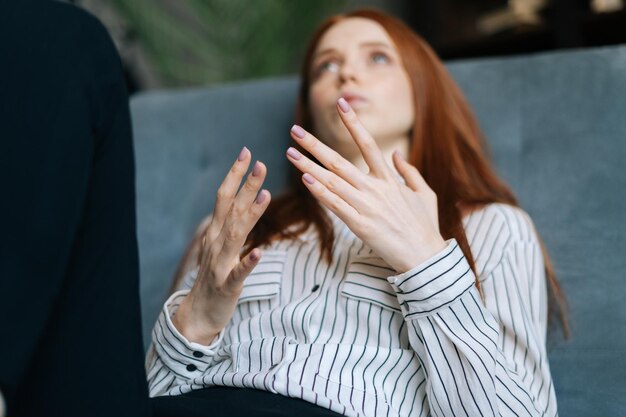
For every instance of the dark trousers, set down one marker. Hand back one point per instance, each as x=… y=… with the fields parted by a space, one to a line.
x=234 y=402
x=70 y=341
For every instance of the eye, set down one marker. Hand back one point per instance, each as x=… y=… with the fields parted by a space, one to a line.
x=326 y=66
x=379 y=58
x=330 y=65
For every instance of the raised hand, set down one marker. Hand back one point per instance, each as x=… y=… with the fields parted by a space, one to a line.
x=398 y=221
x=210 y=304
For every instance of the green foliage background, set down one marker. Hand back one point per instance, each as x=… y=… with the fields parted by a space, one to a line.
x=192 y=42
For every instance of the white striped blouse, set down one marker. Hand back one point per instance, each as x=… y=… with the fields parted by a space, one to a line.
x=356 y=338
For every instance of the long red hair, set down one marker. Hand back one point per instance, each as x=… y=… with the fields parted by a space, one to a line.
x=447 y=147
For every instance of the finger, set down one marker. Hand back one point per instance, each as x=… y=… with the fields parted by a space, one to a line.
x=410 y=173
x=328 y=157
x=236 y=230
x=241 y=271
x=372 y=154
x=228 y=189
x=248 y=192
x=348 y=214
x=242 y=216
x=333 y=183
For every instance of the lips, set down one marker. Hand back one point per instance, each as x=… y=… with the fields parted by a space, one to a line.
x=353 y=98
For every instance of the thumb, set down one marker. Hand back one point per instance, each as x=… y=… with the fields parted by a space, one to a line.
x=241 y=271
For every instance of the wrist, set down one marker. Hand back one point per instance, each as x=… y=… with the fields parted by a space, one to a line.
x=416 y=258
x=195 y=329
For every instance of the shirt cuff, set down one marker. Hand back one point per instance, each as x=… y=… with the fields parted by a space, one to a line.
x=435 y=283
x=186 y=359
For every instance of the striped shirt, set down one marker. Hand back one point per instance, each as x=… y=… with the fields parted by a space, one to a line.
x=359 y=339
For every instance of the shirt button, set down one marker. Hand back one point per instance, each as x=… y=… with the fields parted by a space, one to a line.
x=198 y=354
x=315 y=288
x=191 y=367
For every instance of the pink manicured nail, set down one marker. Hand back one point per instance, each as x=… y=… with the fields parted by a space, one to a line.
x=293 y=152
x=343 y=105
x=309 y=178
x=298 y=131
x=256 y=169
x=260 y=198
x=242 y=154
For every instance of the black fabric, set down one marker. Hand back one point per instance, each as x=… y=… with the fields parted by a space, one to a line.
x=69 y=294
x=235 y=402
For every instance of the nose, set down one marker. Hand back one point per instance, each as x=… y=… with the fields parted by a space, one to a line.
x=348 y=72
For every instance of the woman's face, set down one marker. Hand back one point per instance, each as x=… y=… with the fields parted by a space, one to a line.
x=357 y=60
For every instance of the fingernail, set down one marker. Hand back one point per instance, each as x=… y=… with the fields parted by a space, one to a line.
x=261 y=197
x=343 y=105
x=293 y=152
x=309 y=178
x=254 y=256
x=242 y=154
x=256 y=170
x=399 y=155
x=298 y=131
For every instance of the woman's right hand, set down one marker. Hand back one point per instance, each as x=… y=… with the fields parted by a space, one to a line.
x=210 y=304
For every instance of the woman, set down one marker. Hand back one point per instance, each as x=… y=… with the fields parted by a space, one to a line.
x=397 y=277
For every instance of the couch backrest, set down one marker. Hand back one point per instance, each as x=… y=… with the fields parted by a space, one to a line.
x=556 y=124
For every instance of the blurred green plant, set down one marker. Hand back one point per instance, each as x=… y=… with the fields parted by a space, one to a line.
x=193 y=42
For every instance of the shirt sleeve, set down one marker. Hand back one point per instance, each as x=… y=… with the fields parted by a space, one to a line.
x=172 y=360
x=480 y=357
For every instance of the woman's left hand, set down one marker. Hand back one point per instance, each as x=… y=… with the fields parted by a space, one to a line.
x=398 y=222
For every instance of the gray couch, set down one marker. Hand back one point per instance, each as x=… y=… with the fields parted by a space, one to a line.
x=556 y=124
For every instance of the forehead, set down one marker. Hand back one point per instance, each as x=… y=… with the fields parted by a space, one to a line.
x=353 y=31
